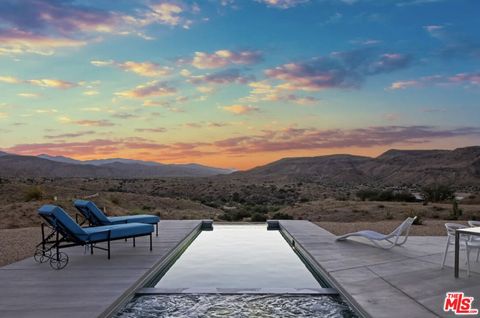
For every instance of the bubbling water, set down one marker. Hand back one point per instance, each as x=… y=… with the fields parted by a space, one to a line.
x=237 y=306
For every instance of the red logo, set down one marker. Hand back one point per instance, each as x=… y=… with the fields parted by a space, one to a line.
x=459 y=304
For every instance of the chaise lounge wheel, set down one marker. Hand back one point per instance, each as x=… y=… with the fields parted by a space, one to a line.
x=60 y=261
x=41 y=256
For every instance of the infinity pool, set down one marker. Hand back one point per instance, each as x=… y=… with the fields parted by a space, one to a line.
x=238 y=271
x=239 y=256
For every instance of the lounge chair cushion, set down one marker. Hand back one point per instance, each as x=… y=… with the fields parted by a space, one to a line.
x=88 y=207
x=141 y=218
x=99 y=233
x=55 y=214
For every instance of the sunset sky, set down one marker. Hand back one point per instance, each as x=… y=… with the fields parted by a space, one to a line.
x=237 y=83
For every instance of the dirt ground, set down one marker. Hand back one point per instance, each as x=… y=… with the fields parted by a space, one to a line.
x=18 y=244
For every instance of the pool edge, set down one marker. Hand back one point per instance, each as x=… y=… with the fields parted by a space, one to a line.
x=154 y=270
x=321 y=271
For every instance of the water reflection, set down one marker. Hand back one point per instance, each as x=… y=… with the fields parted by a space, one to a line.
x=239 y=256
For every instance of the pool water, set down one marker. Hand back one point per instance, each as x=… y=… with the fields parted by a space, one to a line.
x=237 y=271
x=236 y=306
x=239 y=256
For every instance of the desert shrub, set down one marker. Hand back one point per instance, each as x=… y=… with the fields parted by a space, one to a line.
x=381 y=206
x=388 y=216
x=225 y=217
x=456 y=211
x=282 y=216
x=260 y=209
x=418 y=220
x=115 y=200
x=384 y=195
x=437 y=192
x=404 y=196
x=238 y=215
x=33 y=194
x=258 y=217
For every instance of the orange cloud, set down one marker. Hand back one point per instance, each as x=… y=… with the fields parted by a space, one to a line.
x=148 y=69
x=43 y=82
x=240 y=109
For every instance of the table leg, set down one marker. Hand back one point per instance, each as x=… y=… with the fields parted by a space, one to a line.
x=457 y=252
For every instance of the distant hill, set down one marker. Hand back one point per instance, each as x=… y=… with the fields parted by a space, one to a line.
x=459 y=167
x=394 y=167
x=58 y=166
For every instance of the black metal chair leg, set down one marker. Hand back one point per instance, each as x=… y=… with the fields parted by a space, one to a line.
x=150 y=242
x=108 y=243
x=133 y=242
x=43 y=239
x=157 y=229
x=91 y=248
x=57 y=247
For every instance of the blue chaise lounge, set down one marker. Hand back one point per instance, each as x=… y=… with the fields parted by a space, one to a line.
x=97 y=218
x=65 y=232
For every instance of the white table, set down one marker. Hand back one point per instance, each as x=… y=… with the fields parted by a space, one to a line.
x=466 y=231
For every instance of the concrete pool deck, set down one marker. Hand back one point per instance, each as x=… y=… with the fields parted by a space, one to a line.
x=402 y=282
x=90 y=285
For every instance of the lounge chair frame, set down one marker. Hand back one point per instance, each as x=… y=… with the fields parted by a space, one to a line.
x=60 y=237
x=393 y=238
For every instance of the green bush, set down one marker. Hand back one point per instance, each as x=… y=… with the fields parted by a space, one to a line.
x=258 y=217
x=437 y=192
x=456 y=211
x=384 y=195
x=33 y=194
x=282 y=216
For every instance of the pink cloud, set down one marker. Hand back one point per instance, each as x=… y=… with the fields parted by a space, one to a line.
x=240 y=109
x=150 y=89
x=222 y=58
x=283 y=4
x=468 y=79
x=346 y=69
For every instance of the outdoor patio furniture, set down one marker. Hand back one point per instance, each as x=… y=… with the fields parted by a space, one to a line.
x=451 y=228
x=456 y=230
x=66 y=233
x=393 y=238
x=96 y=217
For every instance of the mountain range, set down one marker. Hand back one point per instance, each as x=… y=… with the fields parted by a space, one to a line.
x=395 y=167
x=459 y=167
x=43 y=165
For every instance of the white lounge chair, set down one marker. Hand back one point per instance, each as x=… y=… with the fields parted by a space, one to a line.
x=393 y=238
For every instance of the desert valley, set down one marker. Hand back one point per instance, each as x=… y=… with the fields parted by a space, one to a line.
x=340 y=192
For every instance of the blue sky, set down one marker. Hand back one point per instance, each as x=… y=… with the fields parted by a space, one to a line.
x=237 y=83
